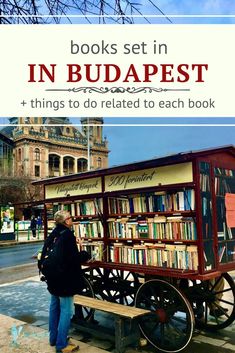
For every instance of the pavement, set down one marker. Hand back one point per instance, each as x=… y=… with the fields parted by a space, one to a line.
x=24 y=319
x=19 y=337
x=23 y=237
x=24 y=323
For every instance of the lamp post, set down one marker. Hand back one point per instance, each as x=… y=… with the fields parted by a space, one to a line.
x=88 y=146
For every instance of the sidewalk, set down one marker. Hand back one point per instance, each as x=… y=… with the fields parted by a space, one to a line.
x=19 y=337
x=24 y=320
x=24 y=324
x=24 y=238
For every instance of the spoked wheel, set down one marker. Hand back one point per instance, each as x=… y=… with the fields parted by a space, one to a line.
x=214 y=302
x=170 y=326
x=115 y=285
x=121 y=286
x=82 y=312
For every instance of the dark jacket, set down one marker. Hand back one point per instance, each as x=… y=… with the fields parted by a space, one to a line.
x=33 y=223
x=70 y=281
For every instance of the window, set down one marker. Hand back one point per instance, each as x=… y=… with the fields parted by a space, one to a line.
x=82 y=165
x=19 y=154
x=37 y=170
x=54 y=165
x=37 y=154
x=68 y=165
x=99 y=162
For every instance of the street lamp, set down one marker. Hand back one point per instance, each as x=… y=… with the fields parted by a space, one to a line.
x=88 y=146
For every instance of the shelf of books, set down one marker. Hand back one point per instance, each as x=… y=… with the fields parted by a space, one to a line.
x=153 y=229
x=174 y=214
x=225 y=206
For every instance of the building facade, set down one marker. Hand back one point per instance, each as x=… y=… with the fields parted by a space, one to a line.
x=49 y=147
x=6 y=155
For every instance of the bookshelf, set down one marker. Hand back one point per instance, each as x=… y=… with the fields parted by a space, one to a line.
x=165 y=216
x=224 y=189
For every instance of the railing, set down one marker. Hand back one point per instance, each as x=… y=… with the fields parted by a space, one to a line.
x=58 y=138
x=18 y=133
x=100 y=144
x=26 y=235
x=81 y=141
x=37 y=133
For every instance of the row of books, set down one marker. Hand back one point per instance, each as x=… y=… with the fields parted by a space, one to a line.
x=89 y=229
x=224 y=172
x=205 y=182
x=227 y=233
x=157 y=202
x=160 y=255
x=158 y=227
x=226 y=252
x=89 y=207
x=95 y=249
x=206 y=205
x=222 y=186
x=78 y=208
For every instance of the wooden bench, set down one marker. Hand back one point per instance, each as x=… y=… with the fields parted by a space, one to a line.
x=122 y=314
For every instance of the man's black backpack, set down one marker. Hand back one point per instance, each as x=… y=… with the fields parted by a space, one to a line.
x=50 y=260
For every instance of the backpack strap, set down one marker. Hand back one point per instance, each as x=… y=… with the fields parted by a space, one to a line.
x=48 y=242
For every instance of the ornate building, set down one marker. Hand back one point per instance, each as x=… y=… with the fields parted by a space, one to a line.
x=49 y=147
x=6 y=155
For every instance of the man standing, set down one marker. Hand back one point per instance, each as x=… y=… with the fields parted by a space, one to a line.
x=33 y=226
x=65 y=282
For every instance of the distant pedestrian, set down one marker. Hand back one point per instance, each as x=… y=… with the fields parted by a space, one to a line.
x=33 y=226
x=64 y=281
x=39 y=223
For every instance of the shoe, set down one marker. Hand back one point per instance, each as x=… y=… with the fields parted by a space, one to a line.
x=69 y=341
x=218 y=312
x=69 y=348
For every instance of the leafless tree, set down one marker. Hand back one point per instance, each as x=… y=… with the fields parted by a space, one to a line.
x=31 y=11
x=18 y=189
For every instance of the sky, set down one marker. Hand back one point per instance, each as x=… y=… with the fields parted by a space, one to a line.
x=128 y=144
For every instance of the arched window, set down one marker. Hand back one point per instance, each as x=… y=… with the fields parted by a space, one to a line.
x=37 y=154
x=54 y=165
x=68 y=165
x=82 y=165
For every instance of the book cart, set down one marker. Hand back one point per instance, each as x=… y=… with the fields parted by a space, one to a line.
x=161 y=234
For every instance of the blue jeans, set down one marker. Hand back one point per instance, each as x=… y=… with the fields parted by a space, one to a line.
x=61 y=312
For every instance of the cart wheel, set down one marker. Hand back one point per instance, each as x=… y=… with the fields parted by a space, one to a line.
x=82 y=312
x=170 y=326
x=121 y=287
x=216 y=307
x=115 y=285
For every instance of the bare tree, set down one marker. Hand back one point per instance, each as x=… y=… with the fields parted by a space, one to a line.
x=18 y=189
x=31 y=11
